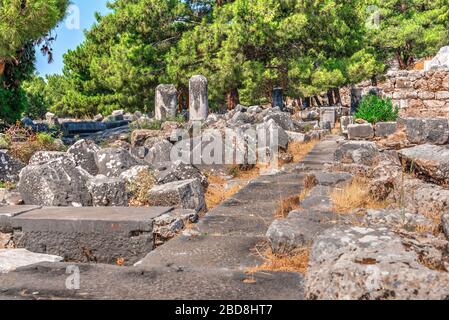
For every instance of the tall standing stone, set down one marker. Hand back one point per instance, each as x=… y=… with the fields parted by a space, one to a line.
x=198 y=96
x=278 y=98
x=166 y=102
x=356 y=97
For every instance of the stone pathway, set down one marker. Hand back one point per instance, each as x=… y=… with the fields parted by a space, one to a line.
x=207 y=265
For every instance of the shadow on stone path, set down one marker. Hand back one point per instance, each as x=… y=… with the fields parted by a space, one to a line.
x=208 y=265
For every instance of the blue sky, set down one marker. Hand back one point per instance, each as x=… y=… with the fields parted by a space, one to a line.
x=70 y=38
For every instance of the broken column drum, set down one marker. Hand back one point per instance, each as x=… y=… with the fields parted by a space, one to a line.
x=166 y=102
x=278 y=99
x=198 y=97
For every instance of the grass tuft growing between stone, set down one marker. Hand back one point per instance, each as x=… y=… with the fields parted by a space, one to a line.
x=297 y=261
x=355 y=195
x=285 y=206
x=217 y=192
x=139 y=189
x=300 y=149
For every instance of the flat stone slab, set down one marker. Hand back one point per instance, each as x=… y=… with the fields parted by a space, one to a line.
x=230 y=252
x=8 y=212
x=11 y=259
x=47 y=281
x=88 y=234
x=234 y=225
x=119 y=214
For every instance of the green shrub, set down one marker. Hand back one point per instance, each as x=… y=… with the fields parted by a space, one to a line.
x=374 y=109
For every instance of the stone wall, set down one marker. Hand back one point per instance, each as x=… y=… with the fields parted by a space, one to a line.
x=417 y=93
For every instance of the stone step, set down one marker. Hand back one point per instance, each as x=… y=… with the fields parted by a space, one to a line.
x=206 y=251
x=97 y=281
x=101 y=234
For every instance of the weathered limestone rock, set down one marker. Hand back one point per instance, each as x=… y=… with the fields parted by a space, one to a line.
x=11 y=259
x=107 y=192
x=345 y=121
x=138 y=137
x=83 y=152
x=384 y=129
x=159 y=153
x=9 y=167
x=42 y=157
x=166 y=102
x=282 y=119
x=168 y=225
x=57 y=183
x=255 y=109
x=177 y=171
x=328 y=115
x=241 y=118
x=441 y=60
x=426 y=130
x=360 y=131
x=298 y=230
x=270 y=129
x=132 y=175
x=429 y=161
x=187 y=194
x=358 y=152
x=385 y=175
x=400 y=219
x=354 y=263
x=198 y=94
x=10 y=197
x=297 y=137
x=112 y=162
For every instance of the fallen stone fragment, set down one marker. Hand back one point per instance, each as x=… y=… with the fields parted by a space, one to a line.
x=399 y=218
x=426 y=130
x=107 y=192
x=186 y=194
x=83 y=152
x=355 y=263
x=428 y=161
x=299 y=230
x=168 y=225
x=9 y=167
x=112 y=162
x=358 y=152
x=42 y=157
x=57 y=183
x=360 y=131
x=11 y=259
x=384 y=129
x=177 y=171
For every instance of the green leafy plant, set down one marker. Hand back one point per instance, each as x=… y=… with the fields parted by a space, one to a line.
x=375 y=109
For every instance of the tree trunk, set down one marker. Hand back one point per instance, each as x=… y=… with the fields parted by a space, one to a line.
x=330 y=97
x=232 y=99
x=337 y=95
x=2 y=68
x=317 y=100
x=183 y=99
x=307 y=103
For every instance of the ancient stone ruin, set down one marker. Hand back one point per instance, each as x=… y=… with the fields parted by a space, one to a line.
x=361 y=208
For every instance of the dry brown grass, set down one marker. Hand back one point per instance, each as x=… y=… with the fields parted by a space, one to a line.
x=285 y=206
x=300 y=149
x=295 y=262
x=355 y=195
x=217 y=192
x=139 y=189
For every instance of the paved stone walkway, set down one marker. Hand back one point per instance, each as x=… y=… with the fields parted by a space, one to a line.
x=210 y=265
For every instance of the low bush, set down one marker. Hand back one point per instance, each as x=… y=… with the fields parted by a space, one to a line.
x=375 y=109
